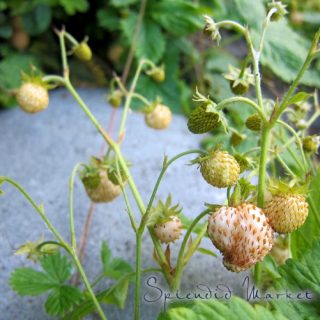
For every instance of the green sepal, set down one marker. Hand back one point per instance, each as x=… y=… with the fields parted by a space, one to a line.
x=163 y=212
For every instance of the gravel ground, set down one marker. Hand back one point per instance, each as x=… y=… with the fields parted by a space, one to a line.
x=40 y=151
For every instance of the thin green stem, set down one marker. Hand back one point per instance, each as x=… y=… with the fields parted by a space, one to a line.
x=69 y=37
x=71 y=185
x=155 y=189
x=54 y=78
x=265 y=26
x=285 y=166
x=63 y=54
x=129 y=97
x=288 y=127
x=39 y=209
x=141 y=98
x=138 y=276
x=195 y=244
x=87 y=284
x=247 y=101
x=180 y=261
x=123 y=189
x=51 y=242
x=289 y=245
x=244 y=65
x=262 y=165
x=89 y=114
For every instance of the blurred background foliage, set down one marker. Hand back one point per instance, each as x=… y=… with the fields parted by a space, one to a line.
x=170 y=34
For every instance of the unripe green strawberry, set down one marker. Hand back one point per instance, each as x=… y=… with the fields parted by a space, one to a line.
x=99 y=187
x=157 y=74
x=201 y=121
x=281 y=10
x=115 y=98
x=239 y=88
x=245 y=163
x=32 y=97
x=237 y=138
x=310 y=144
x=242 y=234
x=280 y=251
x=168 y=231
x=220 y=169
x=159 y=118
x=82 y=51
x=286 y=212
x=253 y=122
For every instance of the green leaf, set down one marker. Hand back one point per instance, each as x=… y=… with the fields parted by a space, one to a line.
x=284 y=49
x=57 y=267
x=207 y=252
x=303 y=238
x=151 y=41
x=177 y=17
x=27 y=281
x=105 y=255
x=11 y=67
x=299 y=97
x=108 y=19
x=37 y=20
x=56 y=271
x=235 y=309
x=118 y=294
x=114 y=268
x=299 y=276
x=117 y=268
x=62 y=299
x=73 y=6
x=122 y=3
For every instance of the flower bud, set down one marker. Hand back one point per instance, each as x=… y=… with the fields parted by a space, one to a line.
x=281 y=10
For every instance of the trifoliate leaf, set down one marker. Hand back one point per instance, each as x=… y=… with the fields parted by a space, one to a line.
x=56 y=271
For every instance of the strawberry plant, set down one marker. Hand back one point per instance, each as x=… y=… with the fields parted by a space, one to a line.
x=270 y=213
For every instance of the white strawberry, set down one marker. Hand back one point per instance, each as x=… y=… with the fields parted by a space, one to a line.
x=165 y=221
x=168 y=231
x=242 y=234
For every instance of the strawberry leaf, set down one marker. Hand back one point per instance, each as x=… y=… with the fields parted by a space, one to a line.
x=56 y=272
x=303 y=238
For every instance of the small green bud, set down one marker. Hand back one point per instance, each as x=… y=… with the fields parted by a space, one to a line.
x=157 y=74
x=115 y=98
x=281 y=10
x=82 y=51
x=253 y=122
x=311 y=144
x=237 y=138
x=211 y=29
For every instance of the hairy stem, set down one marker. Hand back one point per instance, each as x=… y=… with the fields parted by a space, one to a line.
x=180 y=262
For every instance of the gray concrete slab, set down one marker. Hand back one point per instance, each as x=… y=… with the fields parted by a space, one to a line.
x=39 y=151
